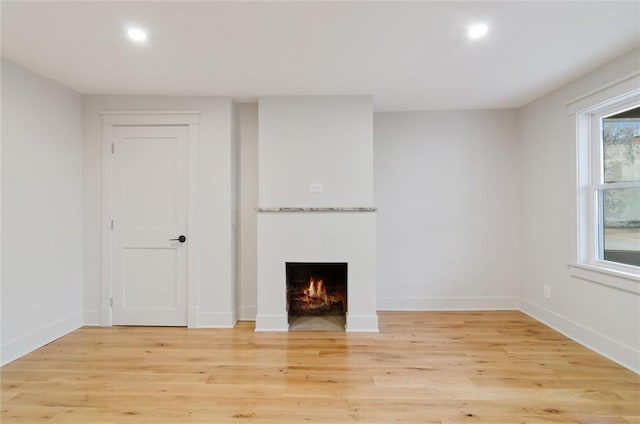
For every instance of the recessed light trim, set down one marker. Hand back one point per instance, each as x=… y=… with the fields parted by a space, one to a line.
x=477 y=31
x=137 y=35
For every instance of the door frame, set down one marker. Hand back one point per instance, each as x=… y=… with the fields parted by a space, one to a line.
x=111 y=120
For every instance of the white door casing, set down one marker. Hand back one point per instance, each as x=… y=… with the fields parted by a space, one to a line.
x=149 y=198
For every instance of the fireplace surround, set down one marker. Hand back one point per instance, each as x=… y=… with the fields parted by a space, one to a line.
x=315 y=183
x=306 y=236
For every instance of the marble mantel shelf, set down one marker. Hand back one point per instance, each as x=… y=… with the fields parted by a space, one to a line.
x=362 y=209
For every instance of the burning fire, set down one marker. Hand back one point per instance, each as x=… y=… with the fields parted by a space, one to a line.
x=316 y=290
x=315 y=297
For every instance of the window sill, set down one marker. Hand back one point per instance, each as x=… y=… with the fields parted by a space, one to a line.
x=618 y=279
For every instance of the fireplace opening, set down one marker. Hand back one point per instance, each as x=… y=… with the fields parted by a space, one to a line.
x=316 y=295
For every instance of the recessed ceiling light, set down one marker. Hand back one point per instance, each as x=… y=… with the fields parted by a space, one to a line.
x=136 y=34
x=477 y=31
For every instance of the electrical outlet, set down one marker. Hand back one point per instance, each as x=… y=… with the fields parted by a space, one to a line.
x=547 y=291
x=316 y=188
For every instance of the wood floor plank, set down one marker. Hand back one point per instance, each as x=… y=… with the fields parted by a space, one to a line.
x=423 y=367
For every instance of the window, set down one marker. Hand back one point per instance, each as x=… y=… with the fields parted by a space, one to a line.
x=608 y=136
x=618 y=188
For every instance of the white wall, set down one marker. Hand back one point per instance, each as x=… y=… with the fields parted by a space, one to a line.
x=216 y=208
x=248 y=202
x=316 y=139
x=42 y=211
x=446 y=188
x=603 y=318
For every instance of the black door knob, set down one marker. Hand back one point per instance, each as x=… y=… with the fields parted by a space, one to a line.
x=181 y=239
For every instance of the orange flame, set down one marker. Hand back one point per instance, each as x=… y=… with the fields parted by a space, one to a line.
x=315 y=296
x=316 y=289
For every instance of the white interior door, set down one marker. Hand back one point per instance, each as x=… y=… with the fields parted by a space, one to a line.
x=149 y=270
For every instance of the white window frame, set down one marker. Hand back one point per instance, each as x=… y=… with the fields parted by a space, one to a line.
x=585 y=118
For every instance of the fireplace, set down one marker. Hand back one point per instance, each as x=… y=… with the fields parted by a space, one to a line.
x=316 y=295
x=341 y=236
x=316 y=203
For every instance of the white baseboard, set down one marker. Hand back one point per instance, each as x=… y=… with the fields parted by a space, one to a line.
x=92 y=317
x=216 y=319
x=598 y=342
x=272 y=323
x=447 y=303
x=106 y=318
x=362 y=323
x=35 y=339
x=192 y=317
x=247 y=313
x=234 y=316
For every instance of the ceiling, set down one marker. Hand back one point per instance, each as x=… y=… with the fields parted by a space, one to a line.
x=409 y=56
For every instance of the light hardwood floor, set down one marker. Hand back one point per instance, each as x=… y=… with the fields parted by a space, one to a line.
x=423 y=367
